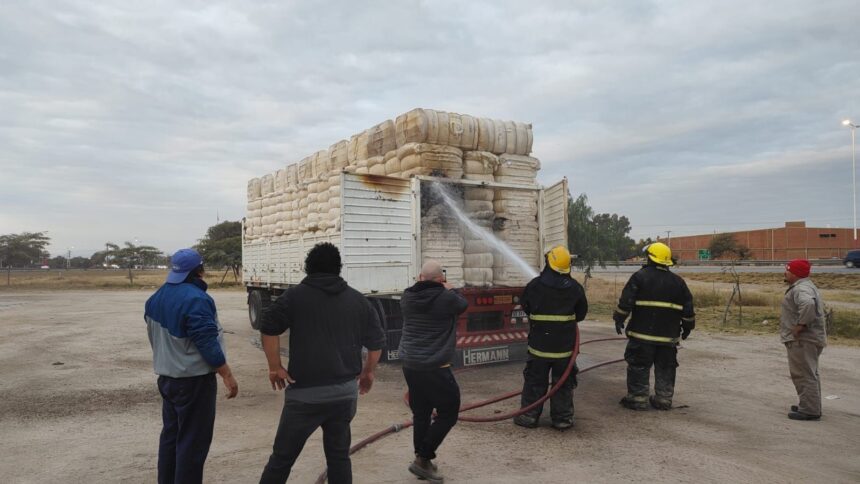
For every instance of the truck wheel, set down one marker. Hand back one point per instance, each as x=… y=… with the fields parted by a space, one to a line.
x=257 y=301
x=849 y=264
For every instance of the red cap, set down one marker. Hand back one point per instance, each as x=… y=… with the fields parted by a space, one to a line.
x=799 y=267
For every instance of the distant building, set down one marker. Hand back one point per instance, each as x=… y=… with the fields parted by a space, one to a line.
x=794 y=241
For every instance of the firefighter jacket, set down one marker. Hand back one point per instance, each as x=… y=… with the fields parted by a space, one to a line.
x=554 y=303
x=660 y=303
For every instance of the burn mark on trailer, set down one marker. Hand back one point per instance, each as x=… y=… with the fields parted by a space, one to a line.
x=380 y=184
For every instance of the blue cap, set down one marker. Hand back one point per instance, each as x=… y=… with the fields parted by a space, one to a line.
x=183 y=262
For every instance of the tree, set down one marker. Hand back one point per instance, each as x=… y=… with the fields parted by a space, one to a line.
x=596 y=238
x=128 y=256
x=24 y=249
x=726 y=245
x=639 y=247
x=222 y=246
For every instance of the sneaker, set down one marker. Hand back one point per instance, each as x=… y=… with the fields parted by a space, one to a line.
x=633 y=404
x=802 y=416
x=562 y=424
x=526 y=421
x=660 y=403
x=795 y=408
x=425 y=469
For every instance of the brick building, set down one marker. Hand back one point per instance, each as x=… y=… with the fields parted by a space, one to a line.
x=794 y=241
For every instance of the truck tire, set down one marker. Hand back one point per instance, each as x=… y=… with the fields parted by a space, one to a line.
x=849 y=264
x=258 y=299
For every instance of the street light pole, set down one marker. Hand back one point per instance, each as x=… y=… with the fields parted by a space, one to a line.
x=853 y=127
x=69 y=258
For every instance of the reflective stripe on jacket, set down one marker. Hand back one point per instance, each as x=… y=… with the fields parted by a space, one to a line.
x=554 y=303
x=659 y=301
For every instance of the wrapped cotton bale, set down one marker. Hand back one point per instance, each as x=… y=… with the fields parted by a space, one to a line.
x=320 y=164
x=376 y=166
x=442 y=240
x=479 y=163
x=254 y=189
x=267 y=185
x=292 y=175
x=437 y=127
x=517 y=169
x=430 y=159
x=484 y=194
x=392 y=164
x=357 y=147
x=504 y=136
x=478 y=277
x=305 y=169
x=338 y=153
x=381 y=138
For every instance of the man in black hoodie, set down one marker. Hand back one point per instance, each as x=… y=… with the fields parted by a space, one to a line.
x=329 y=322
x=430 y=311
x=554 y=302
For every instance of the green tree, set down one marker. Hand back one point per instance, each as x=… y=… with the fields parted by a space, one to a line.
x=726 y=245
x=128 y=256
x=222 y=246
x=24 y=249
x=596 y=239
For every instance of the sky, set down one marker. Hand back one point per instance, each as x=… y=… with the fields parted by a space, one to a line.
x=124 y=121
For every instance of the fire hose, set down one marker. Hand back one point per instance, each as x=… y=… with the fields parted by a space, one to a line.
x=394 y=428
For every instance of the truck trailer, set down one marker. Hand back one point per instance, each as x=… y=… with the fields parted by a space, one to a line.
x=380 y=240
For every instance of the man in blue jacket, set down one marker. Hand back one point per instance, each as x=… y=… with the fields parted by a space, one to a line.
x=187 y=349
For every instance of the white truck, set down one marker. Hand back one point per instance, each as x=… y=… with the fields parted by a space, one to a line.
x=380 y=244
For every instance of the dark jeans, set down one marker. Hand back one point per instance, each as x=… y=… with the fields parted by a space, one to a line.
x=428 y=390
x=640 y=356
x=298 y=421
x=188 y=413
x=536 y=383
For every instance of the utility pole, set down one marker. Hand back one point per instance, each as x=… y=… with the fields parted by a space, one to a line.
x=669 y=238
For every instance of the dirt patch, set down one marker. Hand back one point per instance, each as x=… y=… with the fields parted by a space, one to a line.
x=57 y=405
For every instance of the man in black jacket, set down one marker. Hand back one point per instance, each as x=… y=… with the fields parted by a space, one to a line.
x=554 y=302
x=662 y=309
x=430 y=311
x=329 y=322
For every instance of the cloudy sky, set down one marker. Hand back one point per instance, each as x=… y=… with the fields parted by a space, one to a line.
x=144 y=120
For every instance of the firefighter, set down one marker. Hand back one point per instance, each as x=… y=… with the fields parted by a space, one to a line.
x=554 y=302
x=662 y=310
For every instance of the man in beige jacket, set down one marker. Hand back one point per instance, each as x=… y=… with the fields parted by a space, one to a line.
x=801 y=329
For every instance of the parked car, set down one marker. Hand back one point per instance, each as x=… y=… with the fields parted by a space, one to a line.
x=852 y=258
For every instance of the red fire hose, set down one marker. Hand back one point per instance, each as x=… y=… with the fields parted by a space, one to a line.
x=496 y=418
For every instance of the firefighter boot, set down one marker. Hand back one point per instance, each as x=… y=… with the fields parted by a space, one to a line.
x=424 y=469
x=526 y=421
x=660 y=403
x=635 y=402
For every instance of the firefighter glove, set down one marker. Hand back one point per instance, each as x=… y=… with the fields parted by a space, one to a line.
x=686 y=327
x=619 y=321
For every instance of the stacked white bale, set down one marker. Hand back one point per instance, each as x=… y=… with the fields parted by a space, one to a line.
x=480 y=165
x=317 y=191
x=392 y=164
x=442 y=240
x=280 y=202
x=291 y=205
x=381 y=139
x=357 y=149
x=267 y=190
x=477 y=255
x=254 y=218
x=305 y=178
x=330 y=217
x=437 y=127
x=478 y=206
x=430 y=159
x=501 y=137
x=516 y=214
x=338 y=153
